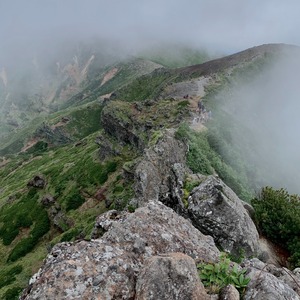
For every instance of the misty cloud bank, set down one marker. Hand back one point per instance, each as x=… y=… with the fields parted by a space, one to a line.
x=267 y=110
x=221 y=26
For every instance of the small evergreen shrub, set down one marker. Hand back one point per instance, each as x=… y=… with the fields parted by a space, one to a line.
x=12 y=293
x=8 y=276
x=18 y=215
x=26 y=213
x=74 y=201
x=277 y=215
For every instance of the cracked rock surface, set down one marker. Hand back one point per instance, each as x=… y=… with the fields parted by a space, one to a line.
x=108 y=268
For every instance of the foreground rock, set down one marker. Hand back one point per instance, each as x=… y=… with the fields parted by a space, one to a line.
x=216 y=210
x=229 y=292
x=269 y=282
x=108 y=268
x=170 y=277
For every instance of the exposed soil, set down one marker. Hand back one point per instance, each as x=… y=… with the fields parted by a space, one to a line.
x=277 y=255
x=29 y=144
x=109 y=75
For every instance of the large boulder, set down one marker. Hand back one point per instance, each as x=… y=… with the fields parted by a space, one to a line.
x=108 y=268
x=170 y=277
x=216 y=210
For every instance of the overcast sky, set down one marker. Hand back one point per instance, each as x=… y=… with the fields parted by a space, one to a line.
x=226 y=26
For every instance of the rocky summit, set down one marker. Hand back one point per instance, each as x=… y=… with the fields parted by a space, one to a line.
x=133 y=180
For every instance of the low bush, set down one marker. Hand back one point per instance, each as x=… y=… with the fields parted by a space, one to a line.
x=218 y=275
x=16 y=216
x=69 y=235
x=12 y=293
x=8 y=276
x=74 y=201
x=277 y=215
x=21 y=249
x=26 y=213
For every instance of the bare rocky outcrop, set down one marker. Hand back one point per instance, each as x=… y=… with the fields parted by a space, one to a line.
x=58 y=217
x=108 y=268
x=170 y=277
x=216 y=210
x=212 y=206
x=160 y=175
x=38 y=181
x=54 y=136
x=118 y=121
x=106 y=147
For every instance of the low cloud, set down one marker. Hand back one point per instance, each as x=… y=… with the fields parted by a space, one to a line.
x=223 y=26
x=266 y=110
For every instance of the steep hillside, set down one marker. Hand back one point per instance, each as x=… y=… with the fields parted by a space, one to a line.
x=116 y=137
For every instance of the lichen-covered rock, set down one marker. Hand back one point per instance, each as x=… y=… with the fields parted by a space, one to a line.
x=172 y=276
x=108 y=268
x=216 y=210
x=266 y=282
x=105 y=221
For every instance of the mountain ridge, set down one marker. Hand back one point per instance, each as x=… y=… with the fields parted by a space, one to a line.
x=118 y=152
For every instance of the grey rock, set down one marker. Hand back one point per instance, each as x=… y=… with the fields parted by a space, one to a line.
x=105 y=221
x=229 y=292
x=147 y=180
x=269 y=282
x=106 y=147
x=160 y=175
x=291 y=279
x=170 y=277
x=38 y=181
x=48 y=200
x=216 y=210
x=249 y=208
x=55 y=136
x=108 y=268
x=265 y=286
x=58 y=218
